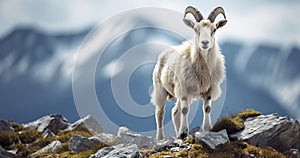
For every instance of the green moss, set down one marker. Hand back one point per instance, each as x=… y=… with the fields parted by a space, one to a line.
x=42 y=142
x=243 y=149
x=64 y=136
x=231 y=124
x=65 y=153
x=162 y=154
x=262 y=152
x=8 y=138
x=183 y=153
x=247 y=113
x=197 y=151
x=28 y=136
x=234 y=124
x=147 y=152
x=17 y=127
x=22 y=150
x=189 y=140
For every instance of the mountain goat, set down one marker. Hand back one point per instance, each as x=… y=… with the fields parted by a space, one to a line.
x=195 y=69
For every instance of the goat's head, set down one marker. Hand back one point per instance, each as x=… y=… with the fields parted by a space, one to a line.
x=204 y=28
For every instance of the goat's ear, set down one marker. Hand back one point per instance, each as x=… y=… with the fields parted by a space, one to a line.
x=189 y=23
x=221 y=23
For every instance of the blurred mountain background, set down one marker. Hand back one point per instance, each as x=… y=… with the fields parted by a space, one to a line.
x=39 y=41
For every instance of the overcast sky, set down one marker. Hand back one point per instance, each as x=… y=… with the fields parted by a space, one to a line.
x=252 y=20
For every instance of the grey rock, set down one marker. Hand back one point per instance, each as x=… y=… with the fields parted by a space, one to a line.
x=48 y=133
x=108 y=139
x=124 y=152
x=293 y=153
x=165 y=144
x=79 y=143
x=104 y=151
x=212 y=139
x=6 y=126
x=125 y=136
x=6 y=154
x=168 y=156
x=53 y=146
x=175 y=149
x=194 y=130
x=280 y=133
x=87 y=124
x=53 y=122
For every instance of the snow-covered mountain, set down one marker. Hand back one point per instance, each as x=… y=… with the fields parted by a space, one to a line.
x=36 y=75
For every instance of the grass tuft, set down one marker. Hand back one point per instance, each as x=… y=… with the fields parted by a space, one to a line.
x=231 y=124
x=234 y=124
x=248 y=113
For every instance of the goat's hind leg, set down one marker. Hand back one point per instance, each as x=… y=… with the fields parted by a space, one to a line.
x=159 y=96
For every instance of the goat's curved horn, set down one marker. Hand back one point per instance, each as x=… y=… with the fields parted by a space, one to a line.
x=197 y=15
x=212 y=16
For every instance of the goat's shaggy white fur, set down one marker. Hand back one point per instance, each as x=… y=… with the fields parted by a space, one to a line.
x=189 y=71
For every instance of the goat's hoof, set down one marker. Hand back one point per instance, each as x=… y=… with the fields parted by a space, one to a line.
x=159 y=137
x=206 y=128
x=182 y=136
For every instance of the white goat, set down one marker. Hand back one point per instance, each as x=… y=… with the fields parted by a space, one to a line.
x=190 y=71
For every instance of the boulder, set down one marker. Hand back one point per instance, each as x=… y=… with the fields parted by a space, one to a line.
x=87 y=124
x=6 y=154
x=79 y=143
x=125 y=136
x=165 y=144
x=108 y=139
x=54 y=122
x=6 y=126
x=280 y=133
x=48 y=133
x=212 y=139
x=292 y=153
x=53 y=146
x=130 y=151
x=194 y=130
x=104 y=151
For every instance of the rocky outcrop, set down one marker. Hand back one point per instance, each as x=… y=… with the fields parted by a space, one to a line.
x=87 y=124
x=48 y=133
x=130 y=151
x=259 y=137
x=6 y=126
x=79 y=143
x=53 y=146
x=212 y=139
x=125 y=136
x=55 y=123
x=108 y=139
x=280 y=133
x=6 y=154
x=104 y=151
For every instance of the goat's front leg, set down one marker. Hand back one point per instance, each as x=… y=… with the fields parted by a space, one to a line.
x=183 y=129
x=176 y=114
x=206 y=125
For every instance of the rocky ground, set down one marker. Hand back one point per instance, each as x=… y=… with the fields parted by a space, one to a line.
x=247 y=134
